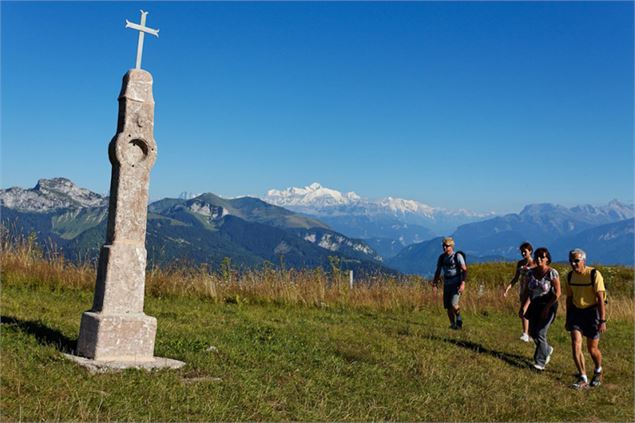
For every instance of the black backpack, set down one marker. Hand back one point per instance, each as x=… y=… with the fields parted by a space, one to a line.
x=456 y=261
x=594 y=273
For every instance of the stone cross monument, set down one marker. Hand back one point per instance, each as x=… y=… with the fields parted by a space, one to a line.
x=116 y=332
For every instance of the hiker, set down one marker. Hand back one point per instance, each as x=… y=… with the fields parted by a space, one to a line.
x=586 y=315
x=541 y=294
x=454 y=273
x=522 y=267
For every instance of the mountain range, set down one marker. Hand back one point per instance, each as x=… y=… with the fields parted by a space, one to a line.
x=312 y=226
x=605 y=233
x=205 y=229
x=387 y=224
x=405 y=232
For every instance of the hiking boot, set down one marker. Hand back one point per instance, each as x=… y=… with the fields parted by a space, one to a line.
x=524 y=337
x=596 y=380
x=581 y=383
x=548 y=359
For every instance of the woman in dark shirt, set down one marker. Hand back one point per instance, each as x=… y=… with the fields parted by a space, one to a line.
x=522 y=268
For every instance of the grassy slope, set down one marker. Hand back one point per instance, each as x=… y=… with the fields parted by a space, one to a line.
x=302 y=363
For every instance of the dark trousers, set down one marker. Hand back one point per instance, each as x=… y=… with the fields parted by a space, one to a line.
x=538 y=329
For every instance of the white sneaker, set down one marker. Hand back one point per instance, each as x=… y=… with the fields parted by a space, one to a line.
x=539 y=367
x=524 y=337
x=548 y=359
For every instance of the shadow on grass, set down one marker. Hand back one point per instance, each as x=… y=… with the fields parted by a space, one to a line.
x=512 y=359
x=44 y=334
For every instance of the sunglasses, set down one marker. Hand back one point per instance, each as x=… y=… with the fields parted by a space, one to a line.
x=575 y=261
x=446 y=245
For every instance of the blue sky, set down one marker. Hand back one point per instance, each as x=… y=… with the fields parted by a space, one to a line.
x=482 y=105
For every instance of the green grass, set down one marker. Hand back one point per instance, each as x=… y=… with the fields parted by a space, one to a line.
x=294 y=362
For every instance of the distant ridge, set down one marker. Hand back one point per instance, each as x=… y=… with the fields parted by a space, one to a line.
x=606 y=233
x=205 y=229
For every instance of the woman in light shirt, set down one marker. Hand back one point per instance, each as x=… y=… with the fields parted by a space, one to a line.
x=541 y=300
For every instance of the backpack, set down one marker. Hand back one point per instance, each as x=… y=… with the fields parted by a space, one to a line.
x=456 y=261
x=594 y=273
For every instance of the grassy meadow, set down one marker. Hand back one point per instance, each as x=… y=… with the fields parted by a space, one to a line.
x=289 y=345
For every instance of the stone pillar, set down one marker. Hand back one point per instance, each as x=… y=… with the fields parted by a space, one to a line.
x=116 y=329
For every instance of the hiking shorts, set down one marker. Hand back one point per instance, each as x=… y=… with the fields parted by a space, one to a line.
x=584 y=320
x=451 y=295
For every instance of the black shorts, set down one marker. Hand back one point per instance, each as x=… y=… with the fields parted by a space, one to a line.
x=584 y=320
x=451 y=295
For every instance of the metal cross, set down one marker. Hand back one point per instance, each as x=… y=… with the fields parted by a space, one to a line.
x=142 y=28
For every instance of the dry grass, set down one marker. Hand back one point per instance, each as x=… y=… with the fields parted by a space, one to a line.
x=23 y=263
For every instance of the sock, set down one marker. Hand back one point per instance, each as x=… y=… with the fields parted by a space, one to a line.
x=598 y=370
x=583 y=377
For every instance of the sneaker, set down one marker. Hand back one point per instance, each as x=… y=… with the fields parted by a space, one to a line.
x=453 y=326
x=581 y=383
x=548 y=359
x=524 y=337
x=596 y=380
x=459 y=324
x=539 y=367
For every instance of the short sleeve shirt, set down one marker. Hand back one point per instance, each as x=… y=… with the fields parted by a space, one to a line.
x=451 y=274
x=539 y=287
x=583 y=290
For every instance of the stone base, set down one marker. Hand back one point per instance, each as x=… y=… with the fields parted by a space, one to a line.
x=104 y=366
x=127 y=337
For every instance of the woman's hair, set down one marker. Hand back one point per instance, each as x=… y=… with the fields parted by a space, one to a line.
x=542 y=251
x=526 y=246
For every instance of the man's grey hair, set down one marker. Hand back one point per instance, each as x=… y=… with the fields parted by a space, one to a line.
x=578 y=252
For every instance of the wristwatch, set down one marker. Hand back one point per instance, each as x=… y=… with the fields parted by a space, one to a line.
x=602 y=321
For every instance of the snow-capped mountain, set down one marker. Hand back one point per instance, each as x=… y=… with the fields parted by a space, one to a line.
x=398 y=205
x=396 y=218
x=315 y=196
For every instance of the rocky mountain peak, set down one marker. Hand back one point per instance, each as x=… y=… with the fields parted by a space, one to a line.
x=211 y=211
x=50 y=194
x=59 y=185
